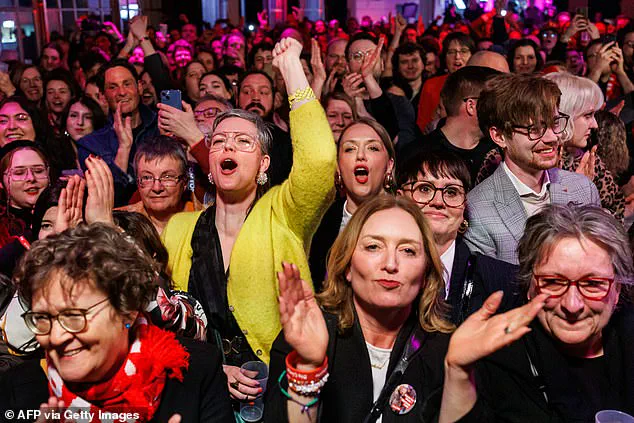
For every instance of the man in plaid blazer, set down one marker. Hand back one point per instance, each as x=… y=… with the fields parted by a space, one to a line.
x=520 y=113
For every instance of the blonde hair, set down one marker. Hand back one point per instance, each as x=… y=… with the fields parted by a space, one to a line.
x=577 y=93
x=337 y=297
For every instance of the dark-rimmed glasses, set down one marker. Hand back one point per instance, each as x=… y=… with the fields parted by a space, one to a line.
x=591 y=288
x=165 y=180
x=424 y=192
x=72 y=320
x=536 y=132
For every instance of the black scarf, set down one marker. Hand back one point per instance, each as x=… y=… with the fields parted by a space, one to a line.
x=207 y=278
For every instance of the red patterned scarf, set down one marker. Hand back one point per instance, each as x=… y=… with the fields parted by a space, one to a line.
x=136 y=388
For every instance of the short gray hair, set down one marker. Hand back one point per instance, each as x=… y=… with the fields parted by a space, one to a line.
x=556 y=222
x=263 y=129
x=159 y=147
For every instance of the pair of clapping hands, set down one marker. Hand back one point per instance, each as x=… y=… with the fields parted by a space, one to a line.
x=100 y=200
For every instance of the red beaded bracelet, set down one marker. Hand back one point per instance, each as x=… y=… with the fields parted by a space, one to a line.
x=300 y=377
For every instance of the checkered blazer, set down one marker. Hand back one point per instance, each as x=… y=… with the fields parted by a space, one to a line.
x=497 y=216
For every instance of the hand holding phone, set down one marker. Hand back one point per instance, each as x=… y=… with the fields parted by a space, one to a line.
x=172 y=98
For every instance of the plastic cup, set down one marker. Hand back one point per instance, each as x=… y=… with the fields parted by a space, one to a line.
x=253 y=411
x=613 y=416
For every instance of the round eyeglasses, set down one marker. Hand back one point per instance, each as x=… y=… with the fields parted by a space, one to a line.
x=72 y=320
x=592 y=288
x=424 y=192
x=240 y=141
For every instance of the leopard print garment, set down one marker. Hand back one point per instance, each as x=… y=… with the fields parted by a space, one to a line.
x=612 y=198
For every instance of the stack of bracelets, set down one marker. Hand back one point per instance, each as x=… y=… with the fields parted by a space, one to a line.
x=304 y=383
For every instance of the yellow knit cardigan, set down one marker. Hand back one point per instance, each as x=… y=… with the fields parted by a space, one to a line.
x=279 y=228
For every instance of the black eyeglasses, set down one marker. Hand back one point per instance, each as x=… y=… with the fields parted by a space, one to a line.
x=470 y=98
x=424 y=192
x=72 y=320
x=537 y=131
x=592 y=288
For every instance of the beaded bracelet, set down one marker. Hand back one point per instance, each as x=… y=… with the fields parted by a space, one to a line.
x=300 y=95
x=301 y=377
x=306 y=406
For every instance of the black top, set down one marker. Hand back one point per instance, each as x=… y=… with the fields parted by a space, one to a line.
x=208 y=284
x=323 y=239
x=281 y=154
x=201 y=397
x=561 y=390
x=348 y=396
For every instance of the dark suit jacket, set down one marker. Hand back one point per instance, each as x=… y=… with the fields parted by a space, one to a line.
x=201 y=397
x=348 y=397
x=323 y=239
x=488 y=275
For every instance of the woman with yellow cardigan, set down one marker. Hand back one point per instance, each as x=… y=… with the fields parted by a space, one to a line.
x=228 y=255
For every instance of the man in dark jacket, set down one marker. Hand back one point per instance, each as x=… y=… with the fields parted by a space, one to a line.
x=129 y=124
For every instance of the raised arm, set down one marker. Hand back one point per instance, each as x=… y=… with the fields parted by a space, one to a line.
x=305 y=331
x=480 y=335
x=307 y=192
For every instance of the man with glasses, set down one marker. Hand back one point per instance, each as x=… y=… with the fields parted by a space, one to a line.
x=606 y=67
x=366 y=65
x=162 y=176
x=520 y=114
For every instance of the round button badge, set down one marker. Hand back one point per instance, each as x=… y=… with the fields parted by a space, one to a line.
x=403 y=399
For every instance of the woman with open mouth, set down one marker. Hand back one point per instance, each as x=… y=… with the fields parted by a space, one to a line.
x=580 y=99
x=365 y=168
x=228 y=255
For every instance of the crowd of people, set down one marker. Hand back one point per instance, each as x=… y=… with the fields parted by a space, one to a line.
x=405 y=221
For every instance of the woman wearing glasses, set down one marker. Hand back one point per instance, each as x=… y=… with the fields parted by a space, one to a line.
x=439 y=182
x=85 y=290
x=580 y=99
x=162 y=176
x=25 y=175
x=228 y=255
x=576 y=358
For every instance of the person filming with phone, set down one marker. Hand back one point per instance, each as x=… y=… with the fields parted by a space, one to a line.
x=606 y=68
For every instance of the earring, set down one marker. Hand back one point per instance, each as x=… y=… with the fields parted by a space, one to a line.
x=211 y=178
x=338 y=180
x=463 y=227
x=262 y=178
x=388 y=182
x=127 y=325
